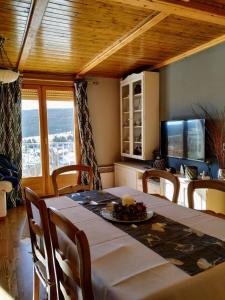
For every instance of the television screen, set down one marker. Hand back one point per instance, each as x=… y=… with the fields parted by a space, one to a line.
x=175 y=135
x=173 y=138
x=183 y=139
x=195 y=139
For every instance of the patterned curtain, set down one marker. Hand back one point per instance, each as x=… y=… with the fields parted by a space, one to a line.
x=88 y=156
x=10 y=131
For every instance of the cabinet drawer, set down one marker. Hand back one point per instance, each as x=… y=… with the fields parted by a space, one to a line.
x=125 y=177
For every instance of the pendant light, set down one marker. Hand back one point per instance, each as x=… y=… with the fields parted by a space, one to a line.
x=7 y=74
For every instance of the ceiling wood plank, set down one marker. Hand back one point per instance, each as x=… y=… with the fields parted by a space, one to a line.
x=142 y=27
x=210 y=14
x=36 y=14
x=190 y=52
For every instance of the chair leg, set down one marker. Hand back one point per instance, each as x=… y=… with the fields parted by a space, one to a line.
x=36 y=285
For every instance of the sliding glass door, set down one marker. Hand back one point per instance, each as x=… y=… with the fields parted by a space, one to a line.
x=49 y=134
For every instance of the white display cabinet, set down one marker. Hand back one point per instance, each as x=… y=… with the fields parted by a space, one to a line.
x=139 y=109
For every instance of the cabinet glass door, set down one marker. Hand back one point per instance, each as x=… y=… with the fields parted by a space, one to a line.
x=137 y=97
x=125 y=119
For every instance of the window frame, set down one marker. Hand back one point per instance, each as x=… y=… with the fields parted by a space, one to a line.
x=45 y=179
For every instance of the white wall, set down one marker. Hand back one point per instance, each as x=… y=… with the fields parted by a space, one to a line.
x=104 y=107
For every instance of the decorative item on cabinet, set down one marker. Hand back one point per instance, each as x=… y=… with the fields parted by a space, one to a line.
x=221 y=173
x=126 y=123
x=204 y=176
x=138 y=150
x=159 y=163
x=137 y=89
x=215 y=127
x=191 y=172
x=171 y=170
x=156 y=154
x=137 y=104
x=182 y=169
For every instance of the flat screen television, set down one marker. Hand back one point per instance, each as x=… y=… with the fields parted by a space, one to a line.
x=183 y=139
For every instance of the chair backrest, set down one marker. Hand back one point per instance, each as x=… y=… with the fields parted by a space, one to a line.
x=205 y=184
x=39 y=234
x=73 y=275
x=155 y=173
x=76 y=187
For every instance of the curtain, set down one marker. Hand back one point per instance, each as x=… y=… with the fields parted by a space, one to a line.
x=88 y=156
x=10 y=132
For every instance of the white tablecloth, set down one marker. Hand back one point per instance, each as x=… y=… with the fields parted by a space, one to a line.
x=125 y=269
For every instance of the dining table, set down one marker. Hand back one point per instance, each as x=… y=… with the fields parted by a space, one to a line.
x=127 y=261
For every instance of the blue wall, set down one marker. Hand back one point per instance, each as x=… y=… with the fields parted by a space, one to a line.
x=199 y=79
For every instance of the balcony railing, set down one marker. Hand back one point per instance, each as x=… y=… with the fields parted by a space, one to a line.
x=60 y=154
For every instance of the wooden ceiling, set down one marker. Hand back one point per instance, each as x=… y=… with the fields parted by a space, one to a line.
x=107 y=37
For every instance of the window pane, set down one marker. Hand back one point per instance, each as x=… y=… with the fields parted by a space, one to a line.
x=60 y=133
x=31 y=149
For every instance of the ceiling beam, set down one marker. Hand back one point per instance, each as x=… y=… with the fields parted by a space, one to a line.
x=201 y=12
x=141 y=28
x=37 y=12
x=190 y=52
x=48 y=76
x=38 y=78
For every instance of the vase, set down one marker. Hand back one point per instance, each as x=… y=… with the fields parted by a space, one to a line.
x=221 y=173
x=191 y=172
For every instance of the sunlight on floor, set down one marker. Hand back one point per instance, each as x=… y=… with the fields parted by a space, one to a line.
x=4 y=295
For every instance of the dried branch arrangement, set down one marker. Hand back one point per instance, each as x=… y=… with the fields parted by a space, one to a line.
x=215 y=128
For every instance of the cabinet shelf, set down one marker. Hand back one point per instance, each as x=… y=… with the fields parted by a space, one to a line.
x=126 y=127
x=139 y=126
x=137 y=142
x=126 y=112
x=137 y=95
x=126 y=98
x=137 y=110
x=126 y=141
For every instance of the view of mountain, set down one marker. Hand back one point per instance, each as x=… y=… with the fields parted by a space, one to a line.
x=59 y=120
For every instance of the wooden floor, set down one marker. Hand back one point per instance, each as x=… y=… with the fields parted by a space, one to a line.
x=16 y=277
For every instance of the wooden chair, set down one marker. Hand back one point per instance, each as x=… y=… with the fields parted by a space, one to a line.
x=155 y=173
x=205 y=184
x=43 y=268
x=73 y=274
x=72 y=188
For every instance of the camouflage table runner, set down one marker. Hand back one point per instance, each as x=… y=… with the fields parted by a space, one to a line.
x=187 y=248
